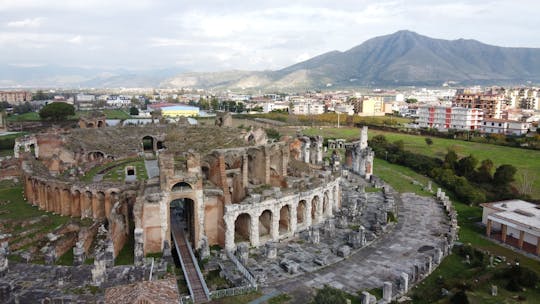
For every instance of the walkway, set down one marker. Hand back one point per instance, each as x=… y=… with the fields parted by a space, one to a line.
x=152 y=168
x=197 y=286
x=421 y=223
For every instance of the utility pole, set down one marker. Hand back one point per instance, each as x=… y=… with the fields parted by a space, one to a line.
x=338 y=118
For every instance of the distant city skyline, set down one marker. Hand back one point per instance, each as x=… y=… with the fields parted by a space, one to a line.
x=247 y=35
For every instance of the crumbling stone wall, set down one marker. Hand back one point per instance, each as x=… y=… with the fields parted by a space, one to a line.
x=359 y=157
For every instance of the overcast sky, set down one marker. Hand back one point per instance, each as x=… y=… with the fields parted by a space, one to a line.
x=253 y=34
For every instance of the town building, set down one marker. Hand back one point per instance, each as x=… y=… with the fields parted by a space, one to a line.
x=513 y=222
x=307 y=108
x=449 y=118
x=15 y=97
x=179 y=110
x=525 y=98
x=369 y=106
x=271 y=106
x=491 y=103
x=506 y=127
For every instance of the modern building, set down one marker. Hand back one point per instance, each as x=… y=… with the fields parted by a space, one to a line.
x=307 y=108
x=449 y=118
x=15 y=97
x=506 y=127
x=176 y=111
x=370 y=106
x=492 y=104
x=513 y=222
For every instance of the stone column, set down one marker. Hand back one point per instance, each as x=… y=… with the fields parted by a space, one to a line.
x=364 y=137
x=307 y=220
x=4 y=263
x=305 y=149
x=488 y=226
x=275 y=224
x=404 y=282
x=254 y=230
x=78 y=253
x=139 y=247
x=229 y=233
x=503 y=233
x=387 y=292
x=245 y=172
x=366 y=296
x=537 y=245
x=294 y=217
x=521 y=237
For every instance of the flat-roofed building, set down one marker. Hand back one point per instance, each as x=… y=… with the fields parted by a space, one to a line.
x=492 y=104
x=505 y=127
x=513 y=222
x=176 y=111
x=15 y=97
x=440 y=117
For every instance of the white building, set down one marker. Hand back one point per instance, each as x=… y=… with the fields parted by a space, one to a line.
x=514 y=222
x=449 y=118
x=506 y=127
x=308 y=108
x=271 y=106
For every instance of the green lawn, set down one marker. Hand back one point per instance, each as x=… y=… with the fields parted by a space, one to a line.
x=523 y=159
x=118 y=172
x=30 y=116
x=110 y=114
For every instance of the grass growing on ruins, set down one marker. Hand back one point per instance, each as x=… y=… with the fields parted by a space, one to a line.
x=118 y=174
x=242 y=299
x=401 y=178
x=526 y=161
x=30 y=116
x=66 y=259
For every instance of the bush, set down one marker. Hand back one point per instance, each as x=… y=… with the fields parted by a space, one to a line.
x=459 y=297
x=329 y=295
x=273 y=134
x=57 y=111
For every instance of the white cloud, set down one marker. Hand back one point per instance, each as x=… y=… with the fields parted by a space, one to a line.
x=25 y=23
x=75 y=40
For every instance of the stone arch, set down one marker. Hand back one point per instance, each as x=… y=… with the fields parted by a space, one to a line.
x=183 y=211
x=76 y=203
x=181 y=186
x=100 y=124
x=326 y=204
x=301 y=211
x=98 y=206
x=242 y=228
x=265 y=224
x=284 y=219
x=95 y=156
x=148 y=143
x=315 y=208
x=89 y=124
x=335 y=198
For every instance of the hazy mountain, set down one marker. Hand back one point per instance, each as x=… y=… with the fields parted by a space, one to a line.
x=402 y=58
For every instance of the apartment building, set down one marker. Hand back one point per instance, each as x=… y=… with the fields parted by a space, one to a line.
x=15 y=97
x=440 y=117
x=492 y=104
x=505 y=127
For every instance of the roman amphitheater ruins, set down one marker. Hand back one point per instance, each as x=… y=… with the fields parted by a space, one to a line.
x=215 y=186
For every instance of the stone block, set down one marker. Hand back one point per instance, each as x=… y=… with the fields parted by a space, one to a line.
x=344 y=251
x=289 y=266
x=387 y=292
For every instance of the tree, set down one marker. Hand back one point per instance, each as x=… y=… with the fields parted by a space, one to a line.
x=133 y=111
x=57 y=111
x=466 y=165
x=429 y=141
x=450 y=160
x=504 y=175
x=459 y=297
x=329 y=295
x=484 y=174
x=411 y=100
x=214 y=102
x=40 y=96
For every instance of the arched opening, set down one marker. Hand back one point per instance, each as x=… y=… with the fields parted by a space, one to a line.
x=148 y=144
x=314 y=206
x=33 y=150
x=160 y=145
x=205 y=172
x=284 y=219
x=265 y=224
x=57 y=205
x=182 y=186
x=90 y=125
x=96 y=156
x=182 y=212
x=100 y=124
x=326 y=206
x=301 y=212
x=242 y=228
x=99 y=208
x=76 y=206
x=86 y=205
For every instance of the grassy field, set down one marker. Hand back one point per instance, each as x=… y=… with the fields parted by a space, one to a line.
x=30 y=116
x=524 y=160
x=117 y=174
x=453 y=270
x=34 y=116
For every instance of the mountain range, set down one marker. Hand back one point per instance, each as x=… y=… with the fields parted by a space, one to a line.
x=401 y=58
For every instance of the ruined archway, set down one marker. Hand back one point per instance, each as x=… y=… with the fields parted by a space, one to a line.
x=181 y=186
x=284 y=219
x=148 y=143
x=76 y=205
x=100 y=124
x=265 y=224
x=326 y=203
x=99 y=205
x=242 y=228
x=314 y=208
x=183 y=212
x=86 y=204
x=96 y=156
x=301 y=212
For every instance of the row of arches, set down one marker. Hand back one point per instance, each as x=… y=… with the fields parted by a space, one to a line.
x=70 y=201
x=282 y=220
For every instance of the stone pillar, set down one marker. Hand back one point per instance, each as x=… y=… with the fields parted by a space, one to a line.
x=78 y=253
x=139 y=247
x=229 y=233
x=4 y=263
x=271 y=250
x=305 y=149
x=245 y=172
x=438 y=256
x=319 y=147
x=242 y=252
x=254 y=230
x=521 y=237
x=404 y=282
x=387 y=292
x=315 y=236
x=366 y=296
x=294 y=217
x=429 y=264
x=99 y=272
x=307 y=219
x=275 y=224
x=503 y=233
x=364 y=137
x=488 y=226
x=537 y=245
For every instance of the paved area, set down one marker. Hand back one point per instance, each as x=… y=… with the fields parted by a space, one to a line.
x=152 y=168
x=422 y=222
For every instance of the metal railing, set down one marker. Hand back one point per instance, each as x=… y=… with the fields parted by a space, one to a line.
x=196 y=265
x=242 y=269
